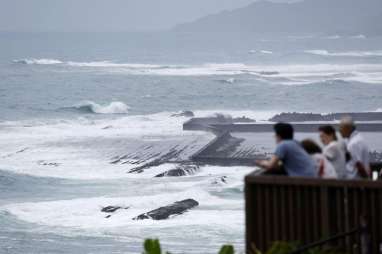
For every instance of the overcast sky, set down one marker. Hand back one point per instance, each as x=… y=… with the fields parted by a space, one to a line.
x=105 y=15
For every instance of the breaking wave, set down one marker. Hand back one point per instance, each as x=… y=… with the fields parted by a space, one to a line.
x=115 y=107
x=288 y=74
x=333 y=37
x=253 y=51
x=323 y=52
x=360 y=36
x=42 y=61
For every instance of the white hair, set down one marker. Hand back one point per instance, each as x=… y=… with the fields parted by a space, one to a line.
x=347 y=121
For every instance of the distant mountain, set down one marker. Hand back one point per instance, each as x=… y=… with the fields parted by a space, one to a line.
x=306 y=17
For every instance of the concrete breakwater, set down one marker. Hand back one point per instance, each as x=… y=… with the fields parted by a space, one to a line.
x=303 y=122
x=237 y=139
x=311 y=117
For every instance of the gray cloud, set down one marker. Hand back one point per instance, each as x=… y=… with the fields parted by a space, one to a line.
x=105 y=15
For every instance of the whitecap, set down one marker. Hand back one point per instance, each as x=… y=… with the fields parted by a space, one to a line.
x=115 y=107
x=42 y=61
x=333 y=37
x=288 y=74
x=360 y=36
x=253 y=51
x=323 y=52
x=109 y=64
x=266 y=52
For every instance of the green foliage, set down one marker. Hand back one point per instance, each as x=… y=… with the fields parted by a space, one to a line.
x=281 y=248
x=287 y=248
x=227 y=249
x=324 y=251
x=152 y=246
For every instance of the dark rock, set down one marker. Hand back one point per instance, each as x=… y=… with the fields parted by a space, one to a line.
x=44 y=163
x=185 y=113
x=182 y=170
x=108 y=216
x=243 y=119
x=112 y=209
x=165 y=212
x=222 y=179
x=22 y=150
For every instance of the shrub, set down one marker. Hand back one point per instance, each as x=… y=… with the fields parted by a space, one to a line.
x=152 y=246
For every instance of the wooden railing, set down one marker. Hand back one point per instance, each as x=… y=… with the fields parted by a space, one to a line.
x=280 y=208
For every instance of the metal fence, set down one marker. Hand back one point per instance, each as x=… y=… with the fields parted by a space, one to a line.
x=280 y=208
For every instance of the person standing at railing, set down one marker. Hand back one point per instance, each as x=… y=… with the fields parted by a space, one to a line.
x=359 y=164
x=324 y=167
x=334 y=150
x=294 y=159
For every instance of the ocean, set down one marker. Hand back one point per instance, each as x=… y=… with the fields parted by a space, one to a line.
x=71 y=104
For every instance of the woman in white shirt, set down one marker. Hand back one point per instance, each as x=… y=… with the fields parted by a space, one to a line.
x=334 y=150
x=324 y=167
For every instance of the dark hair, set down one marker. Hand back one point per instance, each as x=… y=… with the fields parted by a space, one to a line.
x=284 y=130
x=310 y=146
x=328 y=130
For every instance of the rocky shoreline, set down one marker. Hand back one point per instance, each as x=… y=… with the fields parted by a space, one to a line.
x=312 y=117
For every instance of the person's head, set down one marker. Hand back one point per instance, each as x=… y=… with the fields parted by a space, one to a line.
x=327 y=134
x=310 y=146
x=347 y=126
x=284 y=131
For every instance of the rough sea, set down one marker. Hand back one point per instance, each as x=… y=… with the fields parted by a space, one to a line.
x=71 y=104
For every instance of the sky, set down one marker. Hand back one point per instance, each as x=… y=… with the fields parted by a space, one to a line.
x=106 y=15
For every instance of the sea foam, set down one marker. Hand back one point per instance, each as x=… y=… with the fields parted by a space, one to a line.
x=42 y=61
x=281 y=74
x=324 y=52
x=115 y=107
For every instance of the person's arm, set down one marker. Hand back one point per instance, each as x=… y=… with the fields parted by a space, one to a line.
x=358 y=165
x=362 y=171
x=273 y=163
x=330 y=153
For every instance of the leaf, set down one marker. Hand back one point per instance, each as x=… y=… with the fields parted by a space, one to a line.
x=254 y=249
x=281 y=248
x=152 y=246
x=227 y=249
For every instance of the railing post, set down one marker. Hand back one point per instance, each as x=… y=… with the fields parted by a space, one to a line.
x=365 y=236
x=324 y=210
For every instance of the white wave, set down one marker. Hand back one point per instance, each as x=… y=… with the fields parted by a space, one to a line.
x=256 y=115
x=83 y=216
x=85 y=213
x=85 y=148
x=253 y=51
x=228 y=81
x=115 y=107
x=266 y=52
x=360 y=36
x=324 y=52
x=42 y=61
x=333 y=37
x=289 y=74
x=109 y=64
